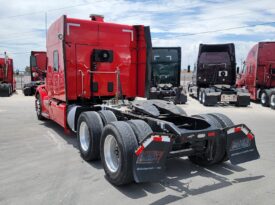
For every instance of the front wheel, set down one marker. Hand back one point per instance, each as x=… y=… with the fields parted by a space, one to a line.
x=38 y=108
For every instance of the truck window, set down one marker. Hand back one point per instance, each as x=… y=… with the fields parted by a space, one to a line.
x=244 y=68
x=55 y=60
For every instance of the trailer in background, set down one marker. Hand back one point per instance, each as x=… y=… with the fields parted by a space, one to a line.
x=166 y=75
x=215 y=76
x=38 y=64
x=7 y=81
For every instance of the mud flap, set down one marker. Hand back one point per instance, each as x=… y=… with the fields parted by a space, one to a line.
x=150 y=158
x=5 y=90
x=241 y=146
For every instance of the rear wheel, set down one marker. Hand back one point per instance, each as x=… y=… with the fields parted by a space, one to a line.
x=203 y=98
x=117 y=147
x=10 y=89
x=264 y=98
x=89 y=129
x=200 y=96
x=225 y=122
x=107 y=116
x=140 y=128
x=272 y=100
x=215 y=149
x=223 y=119
x=38 y=107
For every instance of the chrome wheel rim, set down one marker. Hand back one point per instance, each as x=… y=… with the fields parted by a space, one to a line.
x=263 y=98
x=203 y=98
x=38 y=106
x=111 y=153
x=84 y=136
x=200 y=96
x=272 y=100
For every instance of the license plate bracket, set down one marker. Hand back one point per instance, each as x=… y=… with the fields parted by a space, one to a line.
x=228 y=98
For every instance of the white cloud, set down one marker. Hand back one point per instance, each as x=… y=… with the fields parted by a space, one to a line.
x=169 y=19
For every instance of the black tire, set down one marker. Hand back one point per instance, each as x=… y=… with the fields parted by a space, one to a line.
x=225 y=122
x=203 y=98
x=126 y=146
x=9 y=89
x=27 y=91
x=272 y=100
x=200 y=96
x=264 y=98
x=140 y=128
x=89 y=124
x=218 y=147
x=223 y=119
x=38 y=108
x=107 y=116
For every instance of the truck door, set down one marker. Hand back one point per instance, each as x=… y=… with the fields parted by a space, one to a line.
x=55 y=77
x=242 y=76
x=55 y=70
x=250 y=76
x=56 y=74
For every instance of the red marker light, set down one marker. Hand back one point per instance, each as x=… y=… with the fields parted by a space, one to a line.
x=157 y=139
x=211 y=134
x=250 y=136
x=139 y=150
x=238 y=129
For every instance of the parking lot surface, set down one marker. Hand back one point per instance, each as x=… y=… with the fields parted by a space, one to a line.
x=40 y=164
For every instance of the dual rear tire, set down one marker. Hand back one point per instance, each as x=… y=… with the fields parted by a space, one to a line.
x=267 y=98
x=264 y=98
x=100 y=135
x=218 y=146
x=272 y=100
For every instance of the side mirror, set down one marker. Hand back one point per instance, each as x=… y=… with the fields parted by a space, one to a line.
x=188 y=69
x=238 y=70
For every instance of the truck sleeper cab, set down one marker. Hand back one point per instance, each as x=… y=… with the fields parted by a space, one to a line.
x=94 y=71
x=258 y=73
x=215 y=76
x=166 y=75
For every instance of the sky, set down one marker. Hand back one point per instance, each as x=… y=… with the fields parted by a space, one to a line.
x=184 y=23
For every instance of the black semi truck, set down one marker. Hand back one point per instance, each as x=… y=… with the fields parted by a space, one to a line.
x=165 y=75
x=214 y=77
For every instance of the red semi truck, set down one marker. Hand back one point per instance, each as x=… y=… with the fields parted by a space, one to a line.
x=38 y=62
x=7 y=81
x=94 y=71
x=258 y=73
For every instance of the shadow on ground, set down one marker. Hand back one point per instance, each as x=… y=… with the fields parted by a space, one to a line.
x=68 y=137
x=181 y=176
